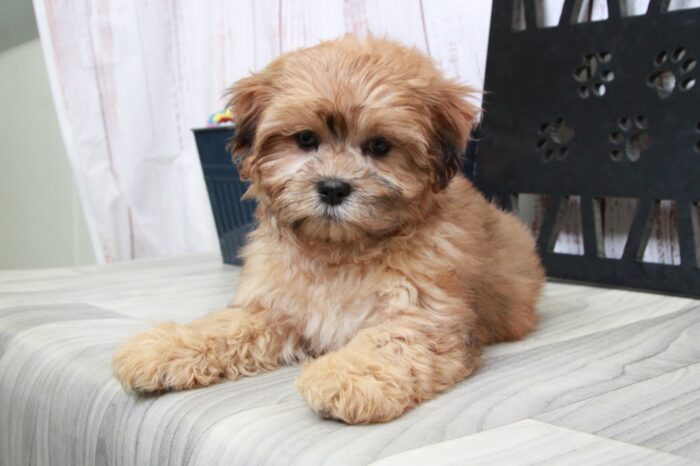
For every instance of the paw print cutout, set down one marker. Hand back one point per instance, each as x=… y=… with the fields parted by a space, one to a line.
x=672 y=71
x=553 y=140
x=630 y=137
x=592 y=75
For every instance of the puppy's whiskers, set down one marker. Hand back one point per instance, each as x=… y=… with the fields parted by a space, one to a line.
x=334 y=213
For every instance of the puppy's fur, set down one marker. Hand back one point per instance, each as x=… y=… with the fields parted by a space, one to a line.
x=388 y=296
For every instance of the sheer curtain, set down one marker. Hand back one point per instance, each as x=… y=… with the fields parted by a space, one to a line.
x=132 y=78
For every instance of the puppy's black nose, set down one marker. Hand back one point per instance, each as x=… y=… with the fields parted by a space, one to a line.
x=332 y=191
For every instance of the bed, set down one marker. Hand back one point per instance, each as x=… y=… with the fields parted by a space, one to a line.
x=609 y=376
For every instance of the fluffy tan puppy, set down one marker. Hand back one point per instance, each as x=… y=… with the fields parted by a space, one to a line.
x=374 y=260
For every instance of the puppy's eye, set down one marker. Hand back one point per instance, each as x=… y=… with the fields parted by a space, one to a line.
x=306 y=140
x=376 y=147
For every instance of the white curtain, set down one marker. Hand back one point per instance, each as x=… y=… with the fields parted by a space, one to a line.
x=132 y=78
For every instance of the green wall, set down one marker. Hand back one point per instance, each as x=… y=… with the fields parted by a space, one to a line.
x=17 y=24
x=41 y=221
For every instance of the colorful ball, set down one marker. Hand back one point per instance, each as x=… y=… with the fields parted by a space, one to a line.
x=220 y=118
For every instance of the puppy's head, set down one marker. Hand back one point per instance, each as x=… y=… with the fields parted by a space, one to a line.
x=350 y=138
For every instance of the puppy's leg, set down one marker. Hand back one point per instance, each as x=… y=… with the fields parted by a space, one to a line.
x=385 y=371
x=226 y=344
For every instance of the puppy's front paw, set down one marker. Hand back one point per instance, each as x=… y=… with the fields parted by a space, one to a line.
x=166 y=357
x=353 y=390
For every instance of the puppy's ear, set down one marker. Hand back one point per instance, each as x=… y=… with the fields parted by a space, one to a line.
x=453 y=118
x=246 y=100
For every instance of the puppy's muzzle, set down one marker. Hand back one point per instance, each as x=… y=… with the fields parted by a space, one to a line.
x=333 y=191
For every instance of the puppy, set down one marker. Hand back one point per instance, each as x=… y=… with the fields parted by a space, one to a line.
x=374 y=261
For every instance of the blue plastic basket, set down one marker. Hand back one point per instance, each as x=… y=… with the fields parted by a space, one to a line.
x=233 y=217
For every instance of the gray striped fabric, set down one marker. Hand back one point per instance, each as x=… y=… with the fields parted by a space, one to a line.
x=60 y=405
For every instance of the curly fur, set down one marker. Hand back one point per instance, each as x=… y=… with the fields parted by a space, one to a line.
x=388 y=297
